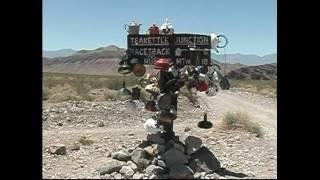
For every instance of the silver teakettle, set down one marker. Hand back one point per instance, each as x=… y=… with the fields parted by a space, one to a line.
x=132 y=28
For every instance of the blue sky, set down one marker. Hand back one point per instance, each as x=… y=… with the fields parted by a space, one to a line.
x=250 y=25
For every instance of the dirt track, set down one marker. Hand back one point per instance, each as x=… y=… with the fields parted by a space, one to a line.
x=239 y=152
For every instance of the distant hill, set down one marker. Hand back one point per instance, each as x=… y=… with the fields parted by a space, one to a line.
x=249 y=60
x=58 y=53
x=104 y=61
x=261 y=72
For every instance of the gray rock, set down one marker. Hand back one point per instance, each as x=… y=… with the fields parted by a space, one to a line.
x=75 y=147
x=153 y=176
x=101 y=124
x=181 y=171
x=132 y=165
x=158 y=149
x=126 y=171
x=110 y=166
x=204 y=161
x=58 y=149
x=137 y=175
x=114 y=173
x=180 y=147
x=197 y=175
x=192 y=144
x=154 y=161
x=118 y=176
x=143 y=144
x=161 y=164
x=149 y=150
x=139 y=158
x=107 y=176
x=122 y=155
x=155 y=138
x=153 y=169
x=187 y=129
x=173 y=157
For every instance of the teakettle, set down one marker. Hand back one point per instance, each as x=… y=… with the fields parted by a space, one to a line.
x=132 y=28
x=167 y=28
x=154 y=30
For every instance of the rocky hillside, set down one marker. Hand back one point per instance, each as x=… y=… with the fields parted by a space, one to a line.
x=100 y=61
x=58 y=53
x=261 y=72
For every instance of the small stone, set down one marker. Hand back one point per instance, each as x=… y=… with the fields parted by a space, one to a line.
x=107 y=176
x=180 y=147
x=153 y=169
x=110 y=166
x=58 y=149
x=192 y=144
x=149 y=150
x=101 y=124
x=60 y=124
x=139 y=158
x=75 y=147
x=173 y=157
x=132 y=165
x=127 y=171
x=114 y=173
x=131 y=134
x=159 y=149
x=161 y=164
x=121 y=155
x=181 y=171
x=197 y=175
x=137 y=175
x=187 y=129
x=108 y=154
x=118 y=176
x=154 y=161
x=204 y=160
x=205 y=136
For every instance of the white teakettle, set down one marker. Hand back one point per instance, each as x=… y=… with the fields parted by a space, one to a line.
x=215 y=41
x=166 y=28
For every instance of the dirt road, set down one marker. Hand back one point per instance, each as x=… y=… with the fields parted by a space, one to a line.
x=239 y=152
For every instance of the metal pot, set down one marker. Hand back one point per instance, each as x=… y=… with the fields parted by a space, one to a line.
x=164 y=100
x=151 y=106
x=162 y=64
x=124 y=69
x=132 y=28
x=139 y=70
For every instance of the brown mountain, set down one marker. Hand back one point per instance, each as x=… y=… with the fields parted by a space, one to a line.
x=100 y=61
x=261 y=72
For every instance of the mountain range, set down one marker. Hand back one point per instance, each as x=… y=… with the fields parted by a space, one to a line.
x=104 y=61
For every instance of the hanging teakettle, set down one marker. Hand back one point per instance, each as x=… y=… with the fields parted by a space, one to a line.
x=167 y=28
x=132 y=28
x=162 y=64
x=124 y=68
x=139 y=70
x=154 y=29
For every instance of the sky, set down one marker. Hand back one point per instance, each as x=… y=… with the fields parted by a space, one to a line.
x=250 y=25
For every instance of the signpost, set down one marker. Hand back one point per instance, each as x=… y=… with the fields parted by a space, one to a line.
x=182 y=49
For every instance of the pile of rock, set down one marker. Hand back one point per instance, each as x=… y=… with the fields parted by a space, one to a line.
x=160 y=159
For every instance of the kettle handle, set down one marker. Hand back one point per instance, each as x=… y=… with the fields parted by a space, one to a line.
x=125 y=27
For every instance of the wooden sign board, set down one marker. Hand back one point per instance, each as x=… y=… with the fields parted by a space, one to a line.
x=176 y=46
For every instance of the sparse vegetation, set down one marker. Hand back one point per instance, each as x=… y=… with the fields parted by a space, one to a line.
x=241 y=120
x=62 y=87
x=85 y=141
x=262 y=87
